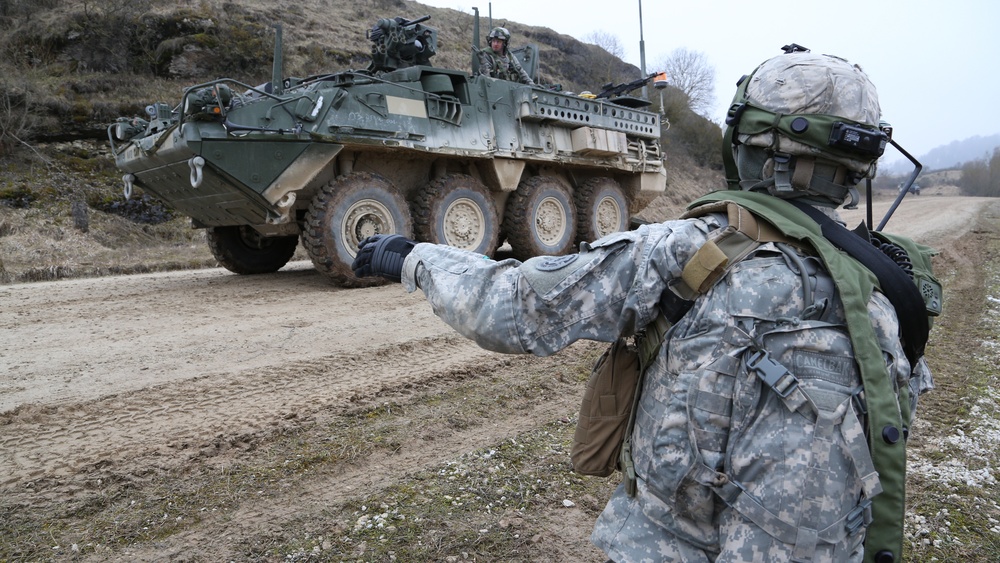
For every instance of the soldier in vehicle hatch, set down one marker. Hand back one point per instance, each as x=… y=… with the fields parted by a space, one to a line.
x=771 y=423
x=499 y=62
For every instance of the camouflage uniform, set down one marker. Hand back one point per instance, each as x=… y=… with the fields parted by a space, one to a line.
x=705 y=429
x=735 y=462
x=505 y=66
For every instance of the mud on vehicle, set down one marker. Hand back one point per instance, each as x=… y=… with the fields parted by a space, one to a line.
x=440 y=155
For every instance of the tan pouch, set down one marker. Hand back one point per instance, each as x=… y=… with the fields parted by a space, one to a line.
x=604 y=413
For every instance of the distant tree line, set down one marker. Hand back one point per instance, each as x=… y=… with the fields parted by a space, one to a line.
x=982 y=177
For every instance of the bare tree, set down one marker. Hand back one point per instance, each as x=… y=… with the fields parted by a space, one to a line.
x=690 y=72
x=605 y=71
x=15 y=116
x=607 y=41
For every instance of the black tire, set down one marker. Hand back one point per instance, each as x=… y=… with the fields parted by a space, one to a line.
x=457 y=210
x=602 y=209
x=242 y=250
x=540 y=218
x=345 y=212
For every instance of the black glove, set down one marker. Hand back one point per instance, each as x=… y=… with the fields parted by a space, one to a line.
x=382 y=255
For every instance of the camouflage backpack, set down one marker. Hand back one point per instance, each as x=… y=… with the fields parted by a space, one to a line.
x=602 y=439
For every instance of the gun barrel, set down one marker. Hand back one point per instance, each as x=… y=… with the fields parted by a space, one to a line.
x=609 y=90
x=416 y=21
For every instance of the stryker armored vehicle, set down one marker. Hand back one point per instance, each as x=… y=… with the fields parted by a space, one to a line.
x=439 y=155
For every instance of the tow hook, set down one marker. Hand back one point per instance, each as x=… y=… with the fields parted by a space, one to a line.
x=196 y=163
x=129 y=180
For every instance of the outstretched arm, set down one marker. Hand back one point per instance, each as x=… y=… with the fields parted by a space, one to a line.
x=610 y=289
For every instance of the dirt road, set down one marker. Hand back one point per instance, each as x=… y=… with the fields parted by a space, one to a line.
x=106 y=383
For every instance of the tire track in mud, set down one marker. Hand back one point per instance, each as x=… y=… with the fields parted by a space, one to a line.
x=81 y=340
x=60 y=446
x=433 y=442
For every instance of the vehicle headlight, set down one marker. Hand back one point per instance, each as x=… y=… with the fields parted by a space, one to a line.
x=126 y=128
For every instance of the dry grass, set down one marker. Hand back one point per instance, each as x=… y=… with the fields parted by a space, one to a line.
x=43 y=244
x=953 y=494
x=43 y=241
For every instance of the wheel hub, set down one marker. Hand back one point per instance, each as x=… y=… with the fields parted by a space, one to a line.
x=550 y=221
x=464 y=224
x=609 y=216
x=364 y=219
x=251 y=238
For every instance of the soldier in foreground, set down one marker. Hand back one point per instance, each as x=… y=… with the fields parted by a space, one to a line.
x=498 y=61
x=771 y=425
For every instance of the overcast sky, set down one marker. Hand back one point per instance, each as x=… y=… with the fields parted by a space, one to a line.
x=936 y=64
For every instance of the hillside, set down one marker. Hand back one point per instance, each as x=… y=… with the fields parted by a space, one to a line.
x=76 y=66
x=952 y=155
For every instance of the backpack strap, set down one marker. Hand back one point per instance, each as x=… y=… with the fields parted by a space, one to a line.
x=724 y=247
x=888 y=408
x=895 y=283
x=648 y=344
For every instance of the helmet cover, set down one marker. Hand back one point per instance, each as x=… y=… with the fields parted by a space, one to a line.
x=804 y=83
x=500 y=33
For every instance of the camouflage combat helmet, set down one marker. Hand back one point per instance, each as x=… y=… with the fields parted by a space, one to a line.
x=804 y=125
x=500 y=33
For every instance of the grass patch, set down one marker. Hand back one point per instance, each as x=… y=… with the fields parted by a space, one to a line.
x=484 y=505
x=953 y=493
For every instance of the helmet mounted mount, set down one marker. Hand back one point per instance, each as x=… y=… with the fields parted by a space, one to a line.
x=820 y=138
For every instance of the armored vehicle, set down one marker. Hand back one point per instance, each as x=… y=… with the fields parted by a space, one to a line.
x=439 y=155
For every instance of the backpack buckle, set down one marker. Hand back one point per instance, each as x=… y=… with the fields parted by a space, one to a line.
x=782 y=172
x=772 y=373
x=859 y=517
x=735 y=113
x=858 y=399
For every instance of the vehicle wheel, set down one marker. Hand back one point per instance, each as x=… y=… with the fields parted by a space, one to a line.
x=347 y=211
x=602 y=209
x=540 y=218
x=242 y=250
x=457 y=210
